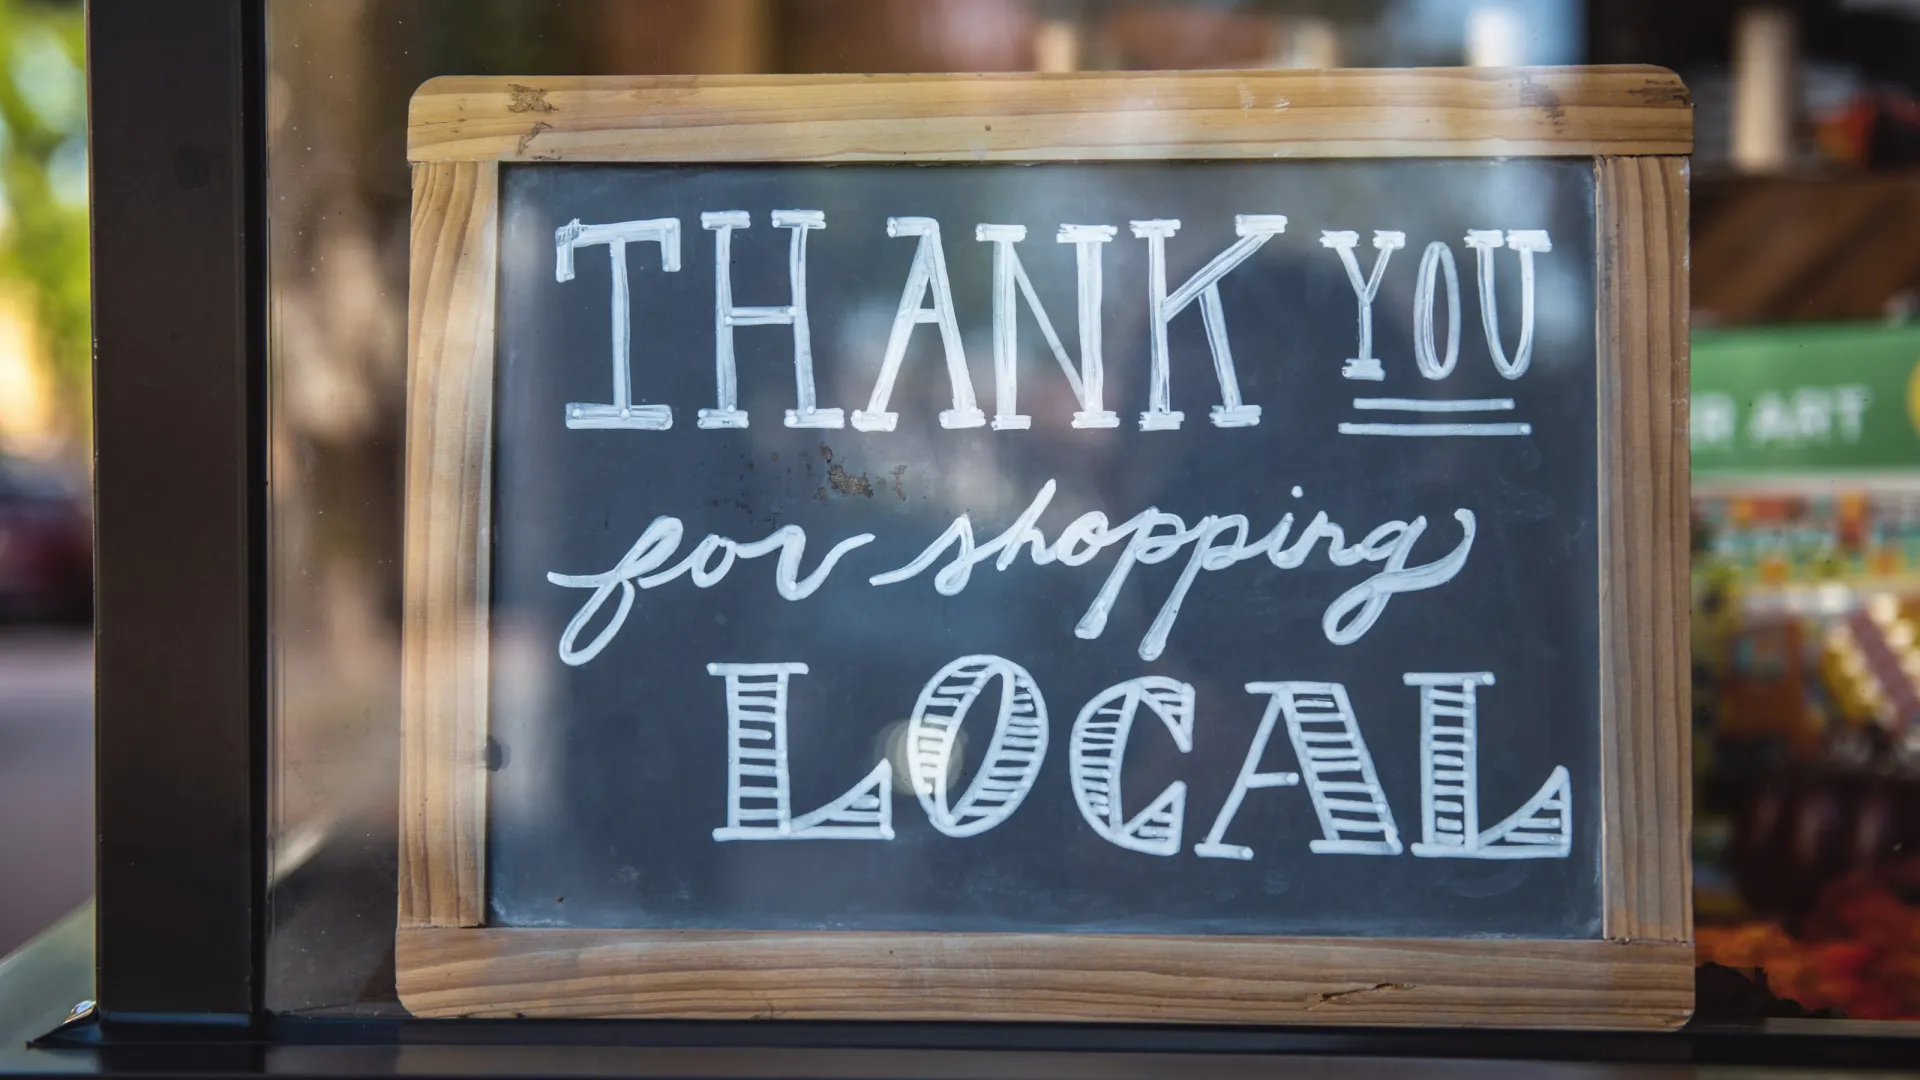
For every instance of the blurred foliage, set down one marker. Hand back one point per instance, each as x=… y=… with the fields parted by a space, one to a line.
x=43 y=183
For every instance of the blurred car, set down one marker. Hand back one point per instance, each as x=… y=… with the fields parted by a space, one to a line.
x=46 y=545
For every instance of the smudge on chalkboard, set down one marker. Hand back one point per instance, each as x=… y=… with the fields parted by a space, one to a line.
x=846 y=483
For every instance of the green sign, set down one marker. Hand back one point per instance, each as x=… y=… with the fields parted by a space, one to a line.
x=1806 y=399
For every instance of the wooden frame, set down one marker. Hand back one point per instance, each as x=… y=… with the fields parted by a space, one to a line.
x=1635 y=122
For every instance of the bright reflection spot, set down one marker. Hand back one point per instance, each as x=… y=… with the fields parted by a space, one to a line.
x=67 y=173
x=1496 y=37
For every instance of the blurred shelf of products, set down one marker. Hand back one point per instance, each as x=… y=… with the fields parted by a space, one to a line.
x=1806 y=494
x=1806 y=636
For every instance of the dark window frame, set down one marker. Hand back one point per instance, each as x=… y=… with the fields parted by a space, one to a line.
x=177 y=160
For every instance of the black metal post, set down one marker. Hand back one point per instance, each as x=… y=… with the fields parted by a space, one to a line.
x=179 y=377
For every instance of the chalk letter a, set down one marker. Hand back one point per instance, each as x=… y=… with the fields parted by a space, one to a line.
x=1251 y=778
x=929 y=272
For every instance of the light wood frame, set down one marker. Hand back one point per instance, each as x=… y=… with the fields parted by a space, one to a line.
x=1636 y=125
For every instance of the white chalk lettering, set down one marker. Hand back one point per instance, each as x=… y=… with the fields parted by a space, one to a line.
x=1013 y=757
x=1356 y=610
x=1254 y=231
x=928 y=274
x=1364 y=365
x=971 y=780
x=1154 y=536
x=1450 y=783
x=726 y=315
x=656 y=545
x=621 y=412
x=1346 y=794
x=1100 y=742
x=1438 y=256
x=759 y=793
x=1251 y=778
x=1526 y=242
x=1008 y=274
x=1088 y=244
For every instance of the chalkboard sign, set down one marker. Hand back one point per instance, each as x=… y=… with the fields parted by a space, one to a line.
x=839 y=580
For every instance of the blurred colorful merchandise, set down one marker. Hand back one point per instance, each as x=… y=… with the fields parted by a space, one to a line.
x=1879 y=127
x=1806 y=638
x=1858 y=954
x=1806 y=631
x=1809 y=796
x=1770 y=538
x=1869 y=666
x=1805 y=620
x=1764 y=695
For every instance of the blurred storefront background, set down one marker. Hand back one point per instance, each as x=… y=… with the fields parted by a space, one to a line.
x=46 y=562
x=1806 y=276
x=340 y=73
x=44 y=337
x=1806 y=291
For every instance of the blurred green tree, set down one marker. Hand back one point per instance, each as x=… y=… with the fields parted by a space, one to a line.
x=44 y=249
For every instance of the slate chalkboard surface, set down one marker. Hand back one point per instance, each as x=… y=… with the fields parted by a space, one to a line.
x=1430 y=764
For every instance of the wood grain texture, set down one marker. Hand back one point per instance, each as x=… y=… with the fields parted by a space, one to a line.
x=1646 y=748
x=1043 y=977
x=1431 y=112
x=443 y=721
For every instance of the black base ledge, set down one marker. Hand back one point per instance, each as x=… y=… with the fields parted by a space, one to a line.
x=290 y=1045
